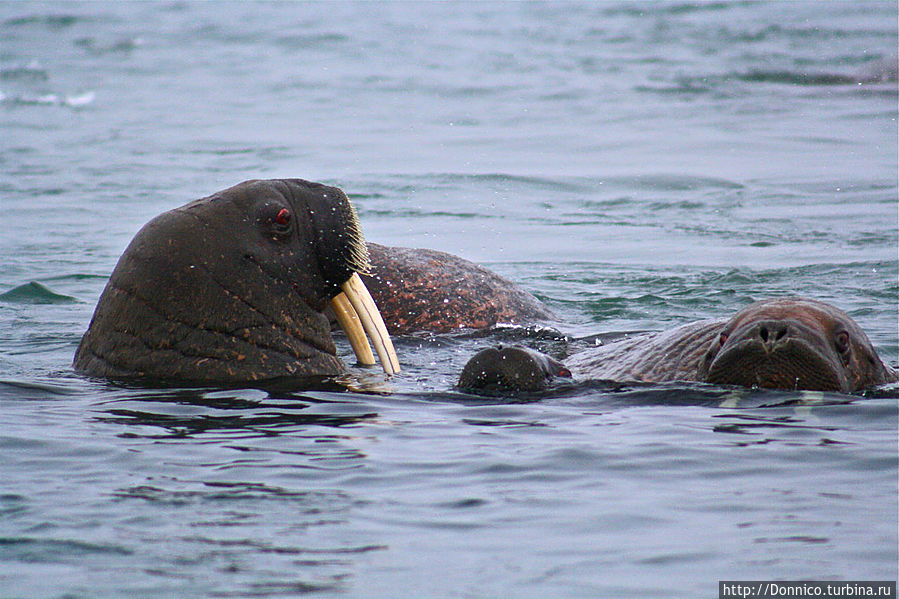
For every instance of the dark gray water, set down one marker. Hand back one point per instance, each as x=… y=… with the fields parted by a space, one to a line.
x=634 y=165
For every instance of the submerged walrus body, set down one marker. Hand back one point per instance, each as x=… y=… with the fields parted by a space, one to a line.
x=789 y=343
x=427 y=290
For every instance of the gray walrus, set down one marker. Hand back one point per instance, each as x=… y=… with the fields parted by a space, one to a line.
x=789 y=343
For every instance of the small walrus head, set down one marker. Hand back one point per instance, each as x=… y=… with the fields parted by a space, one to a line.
x=232 y=287
x=793 y=343
x=510 y=368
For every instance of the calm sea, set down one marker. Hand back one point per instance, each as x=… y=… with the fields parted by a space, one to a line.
x=636 y=165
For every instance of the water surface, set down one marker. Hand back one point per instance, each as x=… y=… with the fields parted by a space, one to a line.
x=636 y=166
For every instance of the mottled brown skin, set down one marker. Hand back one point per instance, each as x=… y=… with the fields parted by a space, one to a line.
x=228 y=288
x=427 y=290
x=790 y=343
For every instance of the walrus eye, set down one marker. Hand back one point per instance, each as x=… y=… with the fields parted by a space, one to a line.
x=841 y=342
x=281 y=221
x=722 y=339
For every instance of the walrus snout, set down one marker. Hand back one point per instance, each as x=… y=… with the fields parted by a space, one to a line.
x=336 y=231
x=773 y=332
x=777 y=354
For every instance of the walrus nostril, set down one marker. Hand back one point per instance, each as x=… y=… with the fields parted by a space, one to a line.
x=773 y=332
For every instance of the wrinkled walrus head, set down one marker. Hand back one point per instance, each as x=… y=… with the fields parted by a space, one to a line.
x=232 y=287
x=793 y=343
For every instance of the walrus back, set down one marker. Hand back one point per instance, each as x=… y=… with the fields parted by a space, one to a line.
x=672 y=355
x=428 y=290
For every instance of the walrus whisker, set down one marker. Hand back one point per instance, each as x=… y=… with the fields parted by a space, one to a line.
x=355 y=256
x=349 y=321
x=371 y=320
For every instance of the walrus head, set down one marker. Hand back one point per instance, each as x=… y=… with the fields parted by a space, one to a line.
x=793 y=344
x=232 y=287
x=512 y=368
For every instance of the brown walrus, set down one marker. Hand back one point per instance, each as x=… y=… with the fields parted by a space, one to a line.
x=790 y=343
x=233 y=287
x=239 y=286
x=427 y=290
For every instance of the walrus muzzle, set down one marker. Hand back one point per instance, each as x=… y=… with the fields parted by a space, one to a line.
x=233 y=287
x=777 y=354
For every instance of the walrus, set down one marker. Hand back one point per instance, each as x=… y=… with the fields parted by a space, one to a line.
x=785 y=343
x=427 y=290
x=244 y=285
x=233 y=287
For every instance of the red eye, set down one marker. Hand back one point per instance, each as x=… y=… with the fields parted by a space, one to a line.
x=283 y=217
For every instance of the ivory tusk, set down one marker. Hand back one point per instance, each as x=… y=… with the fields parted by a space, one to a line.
x=372 y=322
x=349 y=322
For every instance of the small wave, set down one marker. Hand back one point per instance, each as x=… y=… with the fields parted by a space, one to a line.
x=880 y=71
x=677 y=205
x=218 y=491
x=35 y=293
x=52 y=21
x=669 y=182
x=80 y=99
x=121 y=46
x=37 y=550
x=51 y=99
x=21 y=389
x=74 y=276
x=796 y=78
x=508 y=180
x=381 y=185
x=311 y=40
x=682 y=8
x=33 y=71
x=570 y=184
